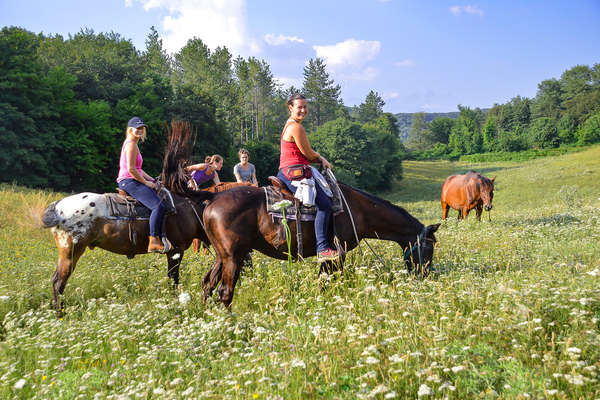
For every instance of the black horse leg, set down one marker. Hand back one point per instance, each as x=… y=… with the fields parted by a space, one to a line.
x=173 y=261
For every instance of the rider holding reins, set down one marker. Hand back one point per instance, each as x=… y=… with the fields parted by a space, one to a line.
x=141 y=186
x=294 y=163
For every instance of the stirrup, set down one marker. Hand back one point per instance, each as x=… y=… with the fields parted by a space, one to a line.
x=167 y=244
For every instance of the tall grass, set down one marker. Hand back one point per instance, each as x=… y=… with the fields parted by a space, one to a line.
x=513 y=311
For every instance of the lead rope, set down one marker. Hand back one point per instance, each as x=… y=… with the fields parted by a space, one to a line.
x=352 y=220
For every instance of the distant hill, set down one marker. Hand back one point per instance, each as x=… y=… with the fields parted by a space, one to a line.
x=405 y=121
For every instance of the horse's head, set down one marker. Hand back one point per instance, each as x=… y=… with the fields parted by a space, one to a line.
x=418 y=255
x=486 y=190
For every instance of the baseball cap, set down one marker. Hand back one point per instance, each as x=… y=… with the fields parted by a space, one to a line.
x=135 y=122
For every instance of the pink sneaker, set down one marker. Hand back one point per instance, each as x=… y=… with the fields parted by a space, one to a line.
x=328 y=255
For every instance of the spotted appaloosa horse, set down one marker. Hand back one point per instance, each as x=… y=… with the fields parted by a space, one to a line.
x=465 y=192
x=83 y=220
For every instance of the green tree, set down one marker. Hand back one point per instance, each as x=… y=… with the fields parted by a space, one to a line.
x=419 y=135
x=322 y=94
x=440 y=129
x=548 y=100
x=489 y=134
x=543 y=133
x=371 y=108
x=589 y=132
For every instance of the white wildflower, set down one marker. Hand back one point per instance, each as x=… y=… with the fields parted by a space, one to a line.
x=4 y=298
x=379 y=389
x=395 y=358
x=595 y=272
x=371 y=360
x=19 y=384
x=176 y=382
x=390 y=395
x=281 y=205
x=447 y=385
x=297 y=363
x=458 y=368
x=574 y=350
x=552 y=392
x=184 y=298
x=405 y=314
x=574 y=379
x=424 y=390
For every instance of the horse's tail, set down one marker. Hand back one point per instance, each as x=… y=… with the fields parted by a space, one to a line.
x=50 y=217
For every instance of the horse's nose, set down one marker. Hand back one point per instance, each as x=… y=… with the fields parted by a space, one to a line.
x=488 y=208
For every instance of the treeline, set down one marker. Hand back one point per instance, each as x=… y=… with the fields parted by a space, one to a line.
x=64 y=104
x=565 y=111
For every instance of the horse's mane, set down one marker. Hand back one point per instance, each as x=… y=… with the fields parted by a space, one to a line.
x=386 y=204
x=180 y=140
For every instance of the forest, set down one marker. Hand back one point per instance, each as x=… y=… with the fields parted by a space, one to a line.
x=64 y=104
x=564 y=112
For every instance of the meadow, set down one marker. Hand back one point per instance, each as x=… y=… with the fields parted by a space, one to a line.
x=513 y=310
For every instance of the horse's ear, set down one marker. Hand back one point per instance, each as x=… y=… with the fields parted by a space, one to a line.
x=493 y=179
x=431 y=229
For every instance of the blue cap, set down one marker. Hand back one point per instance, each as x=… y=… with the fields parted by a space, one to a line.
x=135 y=122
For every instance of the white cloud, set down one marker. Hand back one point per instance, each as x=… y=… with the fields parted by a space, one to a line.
x=350 y=52
x=473 y=10
x=409 y=62
x=391 y=95
x=366 y=74
x=286 y=82
x=215 y=22
x=279 y=40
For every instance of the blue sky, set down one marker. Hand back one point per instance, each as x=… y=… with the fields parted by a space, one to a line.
x=419 y=56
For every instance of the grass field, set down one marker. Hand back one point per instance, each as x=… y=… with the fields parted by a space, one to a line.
x=513 y=311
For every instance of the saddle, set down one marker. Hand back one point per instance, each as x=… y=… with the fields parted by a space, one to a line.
x=278 y=191
x=121 y=206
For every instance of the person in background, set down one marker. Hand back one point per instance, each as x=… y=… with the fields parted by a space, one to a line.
x=139 y=185
x=204 y=172
x=296 y=151
x=244 y=171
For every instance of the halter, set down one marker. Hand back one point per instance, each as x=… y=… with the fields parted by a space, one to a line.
x=408 y=253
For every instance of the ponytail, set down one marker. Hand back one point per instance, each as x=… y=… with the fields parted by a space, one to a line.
x=212 y=159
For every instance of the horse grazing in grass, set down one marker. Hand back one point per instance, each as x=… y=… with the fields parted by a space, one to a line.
x=85 y=219
x=465 y=192
x=237 y=221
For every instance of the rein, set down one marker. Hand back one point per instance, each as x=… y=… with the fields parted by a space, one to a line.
x=408 y=253
x=352 y=221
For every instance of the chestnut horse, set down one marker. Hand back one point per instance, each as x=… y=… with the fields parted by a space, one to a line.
x=465 y=192
x=237 y=221
x=83 y=220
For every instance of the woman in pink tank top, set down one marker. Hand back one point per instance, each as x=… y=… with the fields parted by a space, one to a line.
x=139 y=185
x=296 y=149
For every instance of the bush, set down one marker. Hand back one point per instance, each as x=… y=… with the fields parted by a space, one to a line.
x=589 y=132
x=543 y=133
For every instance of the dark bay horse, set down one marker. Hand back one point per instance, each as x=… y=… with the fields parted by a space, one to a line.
x=465 y=192
x=83 y=220
x=237 y=221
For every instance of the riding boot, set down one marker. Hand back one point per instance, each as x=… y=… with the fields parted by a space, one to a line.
x=155 y=245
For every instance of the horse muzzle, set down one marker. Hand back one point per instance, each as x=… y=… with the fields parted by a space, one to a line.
x=488 y=207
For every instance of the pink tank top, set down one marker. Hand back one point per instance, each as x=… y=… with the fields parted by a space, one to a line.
x=290 y=153
x=123 y=170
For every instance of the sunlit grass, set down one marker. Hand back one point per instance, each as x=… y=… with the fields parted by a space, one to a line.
x=513 y=311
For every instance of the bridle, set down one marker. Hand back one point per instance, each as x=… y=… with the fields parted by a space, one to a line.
x=409 y=253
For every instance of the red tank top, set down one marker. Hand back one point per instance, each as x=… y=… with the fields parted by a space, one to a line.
x=290 y=153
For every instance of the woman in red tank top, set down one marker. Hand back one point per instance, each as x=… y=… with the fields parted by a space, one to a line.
x=296 y=149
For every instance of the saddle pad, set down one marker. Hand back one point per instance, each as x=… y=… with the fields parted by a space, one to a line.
x=121 y=208
x=273 y=196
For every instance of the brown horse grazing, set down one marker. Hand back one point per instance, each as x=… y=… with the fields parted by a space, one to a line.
x=465 y=192
x=84 y=220
x=237 y=221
